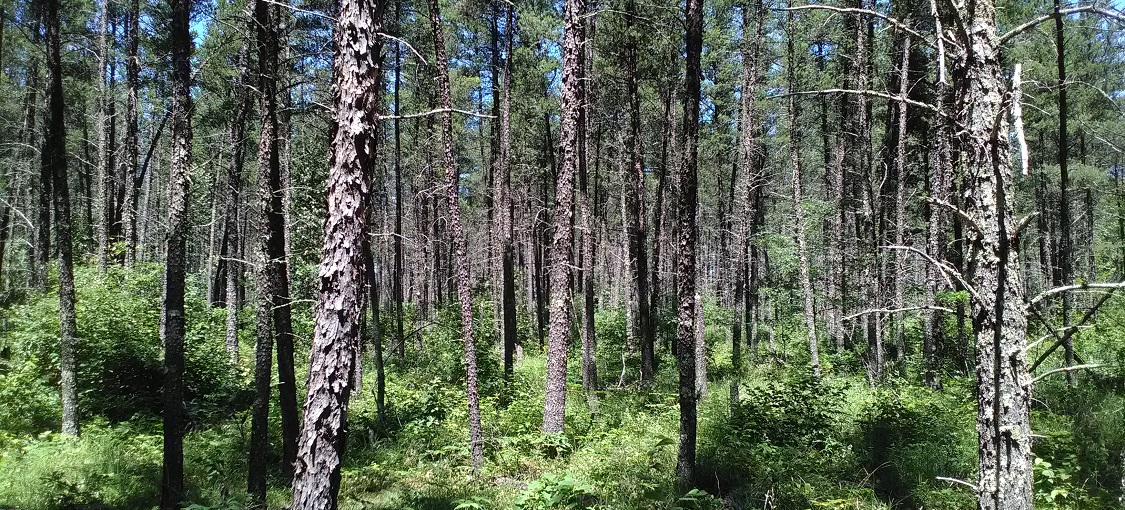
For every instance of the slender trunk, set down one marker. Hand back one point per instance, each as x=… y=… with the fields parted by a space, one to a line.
x=460 y=251
x=686 y=267
x=396 y=290
x=53 y=162
x=172 y=332
x=798 y=208
x=228 y=255
x=899 y=273
x=377 y=335
x=504 y=201
x=323 y=438
x=1066 y=259
x=633 y=179
x=105 y=209
x=589 y=234
x=658 y=238
x=941 y=173
x=554 y=408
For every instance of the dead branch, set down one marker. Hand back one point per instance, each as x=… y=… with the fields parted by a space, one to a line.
x=1067 y=288
x=871 y=93
x=1064 y=369
x=897 y=310
x=435 y=112
x=1060 y=340
x=1064 y=12
x=948 y=271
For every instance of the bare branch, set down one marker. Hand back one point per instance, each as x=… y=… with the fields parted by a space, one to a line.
x=1064 y=12
x=300 y=10
x=1054 y=333
x=897 y=310
x=948 y=271
x=408 y=46
x=956 y=210
x=851 y=10
x=957 y=481
x=1023 y=224
x=871 y=93
x=1017 y=116
x=435 y=112
x=1064 y=369
x=1067 y=288
x=1062 y=340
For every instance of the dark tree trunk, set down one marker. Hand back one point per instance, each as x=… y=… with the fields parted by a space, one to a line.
x=940 y=176
x=396 y=289
x=172 y=334
x=356 y=75
x=1066 y=257
x=132 y=141
x=460 y=251
x=554 y=408
x=686 y=268
x=588 y=222
x=633 y=178
x=504 y=202
x=752 y=28
x=53 y=162
x=229 y=252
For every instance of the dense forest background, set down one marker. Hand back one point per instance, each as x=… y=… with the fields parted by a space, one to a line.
x=855 y=254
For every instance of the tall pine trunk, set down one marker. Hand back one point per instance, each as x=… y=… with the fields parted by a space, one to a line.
x=340 y=286
x=686 y=267
x=53 y=162
x=172 y=331
x=558 y=337
x=457 y=231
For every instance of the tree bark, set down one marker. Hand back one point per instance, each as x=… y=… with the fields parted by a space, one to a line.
x=53 y=162
x=1066 y=257
x=132 y=138
x=105 y=187
x=798 y=207
x=356 y=75
x=456 y=230
x=554 y=408
x=172 y=331
x=633 y=179
x=588 y=222
x=1003 y=383
x=229 y=253
x=504 y=202
x=686 y=267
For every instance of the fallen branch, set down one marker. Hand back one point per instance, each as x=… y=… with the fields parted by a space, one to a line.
x=956 y=481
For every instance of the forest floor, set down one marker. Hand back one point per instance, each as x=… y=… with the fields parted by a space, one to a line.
x=789 y=442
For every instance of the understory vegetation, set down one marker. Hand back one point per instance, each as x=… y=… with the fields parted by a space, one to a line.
x=788 y=442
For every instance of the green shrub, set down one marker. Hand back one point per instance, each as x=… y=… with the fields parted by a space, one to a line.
x=553 y=491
